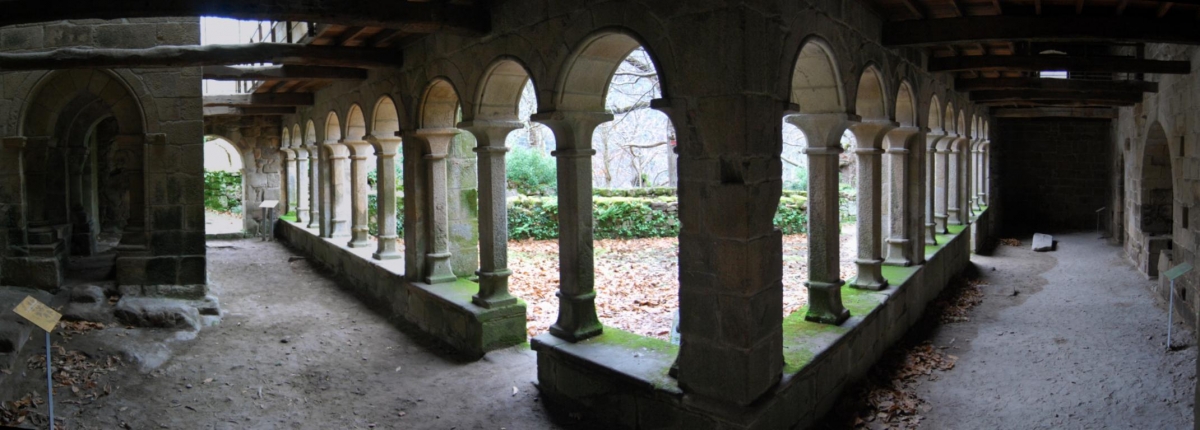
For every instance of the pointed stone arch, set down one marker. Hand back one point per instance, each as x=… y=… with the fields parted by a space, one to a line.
x=1157 y=206
x=500 y=91
x=439 y=105
x=934 y=121
x=356 y=123
x=816 y=82
x=871 y=98
x=906 y=105
x=385 y=121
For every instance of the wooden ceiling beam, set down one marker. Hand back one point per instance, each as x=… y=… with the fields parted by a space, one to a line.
x=1037 y=63
x=247 y=111
x=1043 y=95
x=1037 y=28
x=1055 y=103
x=196 y=55
x=913 y=9
x=1094 y=113
x=229 y=73
x=409 y=16
x=1078 y=85
x=261 y=100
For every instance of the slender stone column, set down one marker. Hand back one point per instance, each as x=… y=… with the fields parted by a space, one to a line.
x=360 y=232
x=289 y=180
x=980 y=202
x=302 y=196
x=339 y=206
x=824 y=135
x=966 y=210
x=869 y=151
x=577 y=318
x=13 y=193
x=493 y=212
x=134 y=238
x=386 y=149
x=917 y=195
x=954 y=205
x=942 y=217
x=931 y=188
x=316 y=160
x=987 y=172
x=899 y=242
x=438 y=141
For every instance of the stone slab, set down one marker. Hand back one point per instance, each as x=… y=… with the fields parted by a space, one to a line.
x=1043 y=242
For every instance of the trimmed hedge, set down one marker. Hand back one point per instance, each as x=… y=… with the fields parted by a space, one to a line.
x=628 y=217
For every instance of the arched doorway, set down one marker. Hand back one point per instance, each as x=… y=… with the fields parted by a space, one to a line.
x=1156 y=211
x=224 y=190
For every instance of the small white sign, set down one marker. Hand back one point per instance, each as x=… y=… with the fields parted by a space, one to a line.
x=268 y=204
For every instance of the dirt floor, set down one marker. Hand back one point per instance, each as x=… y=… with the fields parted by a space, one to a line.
x=1067 y=339
x=222 y=222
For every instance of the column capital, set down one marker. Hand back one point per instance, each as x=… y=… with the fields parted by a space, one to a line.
x=386 y=146
x=358 y=148
x=336 y=150
x=437 y=140
x=490 y=133
x=301 y=153
x=869 y=134
x=822 y=130
x=572 y=129
x=898 y=138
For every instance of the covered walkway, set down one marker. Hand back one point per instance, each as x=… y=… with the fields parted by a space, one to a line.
x=1068 y=339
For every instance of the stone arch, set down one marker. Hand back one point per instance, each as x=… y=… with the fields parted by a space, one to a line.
x=286 y=138
x=439 y=105
x=934 y=121
x=57 y=97
x=333 y=128
x=870 y=101
x=310 y=133
x=1158 y=196
x=816 y=83
x=962 y=124
x=356 y=124
x=948 y=120
x=499 y=93
x=297 y=138
x=385 y=121
x=584 y=83
x=906 y=106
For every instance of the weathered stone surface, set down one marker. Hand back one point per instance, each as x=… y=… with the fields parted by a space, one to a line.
x=158 y=313
x=1043 y=242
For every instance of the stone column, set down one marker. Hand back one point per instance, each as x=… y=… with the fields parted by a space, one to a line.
x=953 y=182
x=438 y=141
x=965 y=181
x=134 y=237
x=315 y=195
x=987 y=172
x=824 y=135
x=899 y=243
x=576 y=296
x=931 y=188
x=13 y=194
x=288 y=178
x=386 y=149
x=869 y=222
x=918 y=191
x=302 y=196
x=338 y=190
x=493 y=212
x=979 y=201
x=942 y=186
x=360 y=232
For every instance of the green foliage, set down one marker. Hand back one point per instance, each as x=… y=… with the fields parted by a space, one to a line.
x=801 y=180
x=373 y=214
x=223 y=191
x=792 y=216
x=635 y=192
x=629 y=217
x=531 y=172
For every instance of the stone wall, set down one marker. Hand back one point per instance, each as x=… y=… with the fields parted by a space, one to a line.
x=1056 y=173
x=257 y=141
x=1157 y=142
x=159 y=144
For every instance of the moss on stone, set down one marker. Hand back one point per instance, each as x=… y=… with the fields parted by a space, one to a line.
x=897 y=275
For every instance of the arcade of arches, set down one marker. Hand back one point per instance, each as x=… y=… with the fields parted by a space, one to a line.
x=102 y=176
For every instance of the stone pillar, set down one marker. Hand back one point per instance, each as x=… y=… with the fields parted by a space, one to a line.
x=302 y=196
x=493 y=212
x=338 y=190
x=899 y=242
x=931 y=188
x=289 y=180
x=953 y=182
x=824 y=135
x=13 y=194
x=316 y=193
x=869 y=222
x=577 y=318
x=965 y=182
x=987 y=172
x=438 y=141
x=386 y=149
x=360 y=232
x=979 y=201
x=918 y=191
x=134 y=238
x=943 y=185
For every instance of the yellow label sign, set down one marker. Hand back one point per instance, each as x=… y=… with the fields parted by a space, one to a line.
x=38 y=313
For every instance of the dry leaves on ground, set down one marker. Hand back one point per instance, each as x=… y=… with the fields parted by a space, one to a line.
x=1010 y=242
x=957 y=299
x=78 y=372
x=637 y=280
x=22 y=411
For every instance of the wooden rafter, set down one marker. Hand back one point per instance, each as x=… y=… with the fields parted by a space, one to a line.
x=409 y=16
x=1100 y=97
x=1077 y=85
x=195 y=55
x=1036 y=63
x=1095 y=113
x=1037 y=28
x=228 y=73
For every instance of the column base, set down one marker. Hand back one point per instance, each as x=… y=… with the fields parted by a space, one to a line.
x=359 y=238
x=954 y=217
x=576 y=317
x=870 y=276
x=387 y=249
x=493 y=290
x=825 y=303
x=943 y=225
x=898 y=253
x=439 y=269
x=339 y=228
x=301 y=216
x=931 y=234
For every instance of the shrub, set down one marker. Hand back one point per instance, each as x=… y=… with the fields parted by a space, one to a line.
x=373 y=214
x=223 y=191
x=792 y=216
x=531 y=171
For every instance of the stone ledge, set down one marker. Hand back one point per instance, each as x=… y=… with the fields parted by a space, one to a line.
x=444 y=311
x=619 y=379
